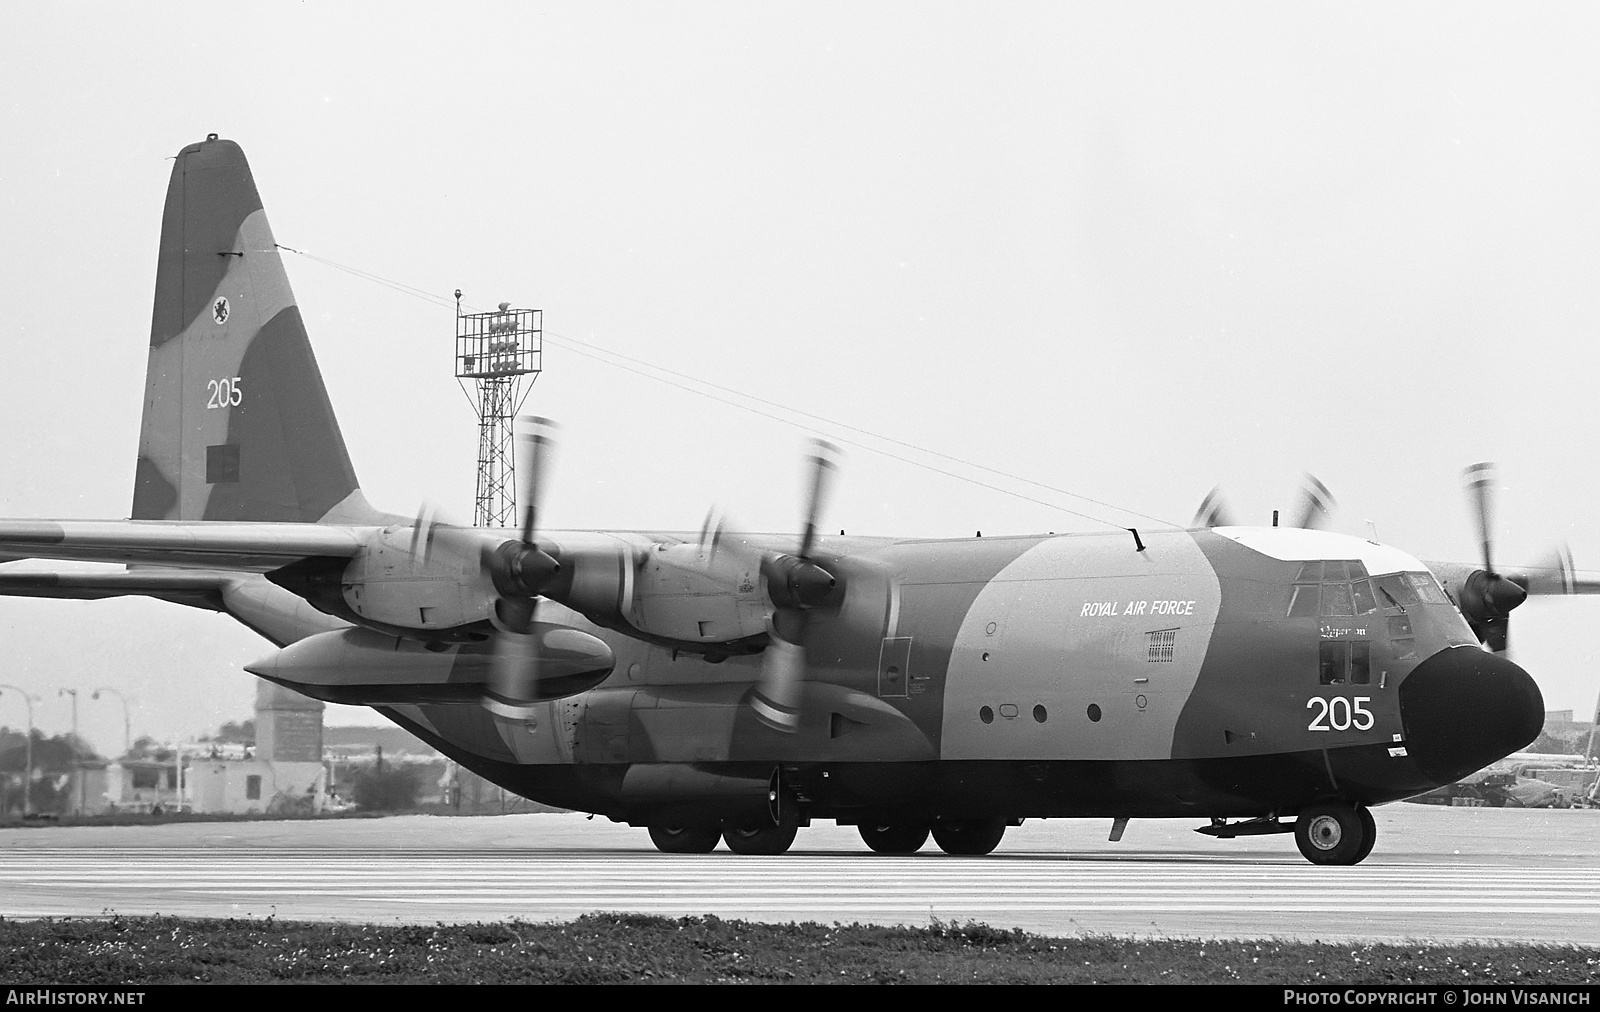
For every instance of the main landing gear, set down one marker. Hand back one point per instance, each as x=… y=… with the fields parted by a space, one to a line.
x=685 y=839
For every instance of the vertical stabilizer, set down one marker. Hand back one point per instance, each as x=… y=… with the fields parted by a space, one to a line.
x=237 y=424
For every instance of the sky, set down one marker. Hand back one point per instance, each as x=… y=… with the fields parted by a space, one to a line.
x=1129 y=251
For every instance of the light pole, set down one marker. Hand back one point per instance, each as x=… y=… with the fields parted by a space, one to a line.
x=77 y=771
x=27 y=780
x=127 y=723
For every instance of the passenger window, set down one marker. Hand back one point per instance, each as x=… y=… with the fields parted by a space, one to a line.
x=1360 y=663
x=1332 y=660
x=1336 y=601
x=1304 y=602
x=1366 y=603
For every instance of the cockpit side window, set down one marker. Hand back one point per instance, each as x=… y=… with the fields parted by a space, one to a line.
x=1304 y=603
x=1360 y=663
x=1333 y=662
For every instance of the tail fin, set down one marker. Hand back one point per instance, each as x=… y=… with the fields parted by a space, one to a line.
x=237 y=424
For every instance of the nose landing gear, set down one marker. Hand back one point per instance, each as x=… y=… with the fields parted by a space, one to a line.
x=1334 y=832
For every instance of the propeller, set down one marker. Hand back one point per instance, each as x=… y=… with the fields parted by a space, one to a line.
x=1316 y=505
x=1213 y=512
x=796 y=585
x=520 y=570
x=1486 y=597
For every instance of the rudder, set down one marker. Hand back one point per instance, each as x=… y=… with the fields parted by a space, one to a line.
x=237 y=422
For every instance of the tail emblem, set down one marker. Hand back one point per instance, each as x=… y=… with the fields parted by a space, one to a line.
x=220 y=310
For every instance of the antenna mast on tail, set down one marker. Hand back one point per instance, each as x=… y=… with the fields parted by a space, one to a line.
x=502 y=354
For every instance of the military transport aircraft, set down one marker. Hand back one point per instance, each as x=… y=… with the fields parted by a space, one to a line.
x=724 y=687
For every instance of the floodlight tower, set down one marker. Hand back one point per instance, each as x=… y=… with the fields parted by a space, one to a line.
x=501 y=353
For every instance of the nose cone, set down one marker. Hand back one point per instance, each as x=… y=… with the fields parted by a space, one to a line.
x=1463 y=708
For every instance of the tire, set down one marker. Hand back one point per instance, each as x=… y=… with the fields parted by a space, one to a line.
x=684 y=839
x=894 y=837
x=968 y=837
x=1369 y=826
x=1335 y=833
x=759 y=836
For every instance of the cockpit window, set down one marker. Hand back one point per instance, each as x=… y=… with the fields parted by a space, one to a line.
x=1395 y=592
x=1336 y=601
x=1366 y=603
x=1311 y=572
x=1427 y=588
x=1304 y=602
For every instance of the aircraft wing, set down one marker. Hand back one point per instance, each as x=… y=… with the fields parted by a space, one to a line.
x=193 y=588
x=240 y=547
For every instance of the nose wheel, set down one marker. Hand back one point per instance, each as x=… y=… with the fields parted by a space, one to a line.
x=1335 y=833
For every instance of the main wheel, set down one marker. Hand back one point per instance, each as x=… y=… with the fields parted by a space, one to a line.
x=1335 y=833
x=894 y=837
x=758 y=835
x=684 y=839
x=969 y=837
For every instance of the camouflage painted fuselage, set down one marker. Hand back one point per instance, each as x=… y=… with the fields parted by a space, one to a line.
x=1043 y=676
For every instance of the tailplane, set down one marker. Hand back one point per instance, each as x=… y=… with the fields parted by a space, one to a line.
x=237 y=423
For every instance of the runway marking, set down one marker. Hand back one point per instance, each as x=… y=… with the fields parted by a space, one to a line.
x=500 y=884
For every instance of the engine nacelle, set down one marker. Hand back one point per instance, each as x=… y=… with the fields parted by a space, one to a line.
x=391 y=583
x=684 y=595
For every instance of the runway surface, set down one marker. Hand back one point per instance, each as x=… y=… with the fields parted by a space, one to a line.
x=1437 y=874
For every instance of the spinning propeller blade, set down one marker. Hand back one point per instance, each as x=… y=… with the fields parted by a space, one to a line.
x=1213 y=512
x=1316 y=505
x=520 y=570
x=796 y=585
x=1486 y=597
